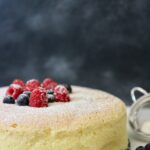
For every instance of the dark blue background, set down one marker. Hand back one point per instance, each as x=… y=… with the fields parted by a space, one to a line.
x=101 y=44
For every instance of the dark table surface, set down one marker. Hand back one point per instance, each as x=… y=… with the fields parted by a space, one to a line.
x=99 y=44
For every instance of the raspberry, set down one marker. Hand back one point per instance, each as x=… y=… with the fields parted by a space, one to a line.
x=49 y=84
x=61 y=94
x=19 y=82
x=14 y=90
x=31 y=85
x=38 y=98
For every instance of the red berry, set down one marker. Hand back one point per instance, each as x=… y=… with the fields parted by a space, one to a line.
x=31 y=85
x=10 y=90
x=61 y=94
x=38 y=98
x=14 y=90
x=49 y=84
x=19 y=82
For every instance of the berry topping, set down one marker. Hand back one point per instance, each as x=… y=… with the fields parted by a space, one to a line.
x=68 y=87
x=51 y=98
x=50 y=92
x=31 y=85
x=23 y=100
x=49 y=84
x=140 y=148
x=10 y=90
x=18 y=82
x=61 y=94
x=8 y=100
x=27 y=93
x=147 y=147
x=38 y=98
x=36 y=94
x=14 y=90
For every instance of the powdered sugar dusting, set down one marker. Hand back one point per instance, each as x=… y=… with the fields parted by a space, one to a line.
x=85 y=104
x=31 y=80
x=16 y=86
x=61 y=89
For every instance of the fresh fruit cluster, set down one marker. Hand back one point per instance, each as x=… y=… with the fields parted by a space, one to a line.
x=36 y=94
x=146 y=147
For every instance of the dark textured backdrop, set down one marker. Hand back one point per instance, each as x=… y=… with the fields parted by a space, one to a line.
x=102 y=44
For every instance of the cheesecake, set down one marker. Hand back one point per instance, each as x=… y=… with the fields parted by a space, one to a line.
x=91 y=120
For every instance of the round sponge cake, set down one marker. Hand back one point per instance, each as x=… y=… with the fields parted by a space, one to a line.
x=92 y=120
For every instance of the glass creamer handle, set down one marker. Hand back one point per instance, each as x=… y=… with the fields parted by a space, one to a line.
x=137 y=89
x=138 y=104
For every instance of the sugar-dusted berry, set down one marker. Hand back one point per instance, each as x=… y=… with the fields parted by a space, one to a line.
x=14 y=90
x=61 y=94
x=38 y=98
x=49 y=84
x=50 y=92
x=8 y=100
x=51 y=98
x=10 y=90
x=23 y=100
x=31 y=85
x=140 y=148
x=68 y=87
x=27 y=93
x=147 y=146
x=18 y=82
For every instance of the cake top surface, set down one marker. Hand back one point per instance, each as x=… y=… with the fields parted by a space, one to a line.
x=86 y=106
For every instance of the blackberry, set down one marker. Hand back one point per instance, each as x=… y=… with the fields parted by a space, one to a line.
x=50 y=92
x=27 y=93
x=8 y=100
x=23 y=100
x=140 y=148
x=147 y=147
x=68 y=87
x=51 y=98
